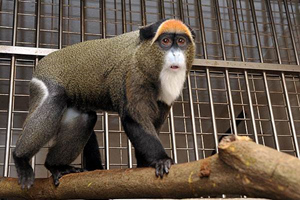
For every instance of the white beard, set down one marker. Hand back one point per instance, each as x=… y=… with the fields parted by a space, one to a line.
x=172 y=80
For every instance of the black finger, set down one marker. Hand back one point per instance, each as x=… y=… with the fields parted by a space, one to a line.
x=28 y=185
x=166 y=169
x=161 y=170
x=156 y=170
x=56 y=182
x=169 y=163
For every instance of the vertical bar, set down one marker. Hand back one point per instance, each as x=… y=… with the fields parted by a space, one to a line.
x=251 y=106
x=271 y=111
x=60 y=24
x=226 y=70
x=106 y=137
x=201 y=23
x=162 y=9
x=290 y=113
x=37 y=37
x=124 y=27
x=82 y=20
x=124 y=30
x=171 y=115
x=286 y=94
x=172 y=127
x=270 y=12
x=143 y=13
x=264 y=74
x=9 y=117
x=193 y=117
x=211 y=101
x=237 y=23
x=231 y=106
x=256 y=31
x=191 y=103
x=217 y=10
x=82 y=38
x=130 y=164
x=38 y=21
x=291 y=31
x=11 y=93
x=103 y=23
x=212 y=109
x=15 y=23
x=181 y=12
x=37 y=44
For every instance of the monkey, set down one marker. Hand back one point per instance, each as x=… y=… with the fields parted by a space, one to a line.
x=138 y=74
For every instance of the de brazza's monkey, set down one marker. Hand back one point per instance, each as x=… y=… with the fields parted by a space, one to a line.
x=137 y=74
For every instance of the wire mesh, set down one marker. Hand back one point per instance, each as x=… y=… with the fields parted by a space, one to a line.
x=265 y=102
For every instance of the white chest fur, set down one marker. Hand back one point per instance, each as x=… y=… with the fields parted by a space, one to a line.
x=171 y=86
x=172 y=80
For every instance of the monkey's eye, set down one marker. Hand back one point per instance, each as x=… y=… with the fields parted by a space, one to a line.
x=181 y=41
x=166 y=42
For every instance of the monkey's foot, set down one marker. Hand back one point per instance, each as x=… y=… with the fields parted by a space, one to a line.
x=58 y=171
x=25 y=172
x=162 y=166
x=26 y=178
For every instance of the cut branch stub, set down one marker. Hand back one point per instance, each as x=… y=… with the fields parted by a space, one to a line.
x=264 y=171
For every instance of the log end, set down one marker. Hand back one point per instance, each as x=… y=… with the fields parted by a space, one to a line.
x=225 y=142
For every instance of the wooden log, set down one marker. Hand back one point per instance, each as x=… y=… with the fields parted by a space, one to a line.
x=241 y=168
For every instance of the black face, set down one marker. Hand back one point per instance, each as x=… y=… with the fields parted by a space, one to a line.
x=172 y=40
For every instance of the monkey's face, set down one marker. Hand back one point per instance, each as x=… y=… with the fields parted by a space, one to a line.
x=174 y=46
x=167 y=47
x=172 y=76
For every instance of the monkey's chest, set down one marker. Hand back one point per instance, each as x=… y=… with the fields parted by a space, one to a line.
x=171 y=85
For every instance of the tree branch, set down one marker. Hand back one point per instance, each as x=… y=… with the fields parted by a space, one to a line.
x=241 y=167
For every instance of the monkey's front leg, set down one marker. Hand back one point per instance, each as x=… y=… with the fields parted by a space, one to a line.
x=148 y=148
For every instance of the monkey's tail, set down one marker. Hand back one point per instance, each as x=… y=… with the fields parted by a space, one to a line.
x=240 y=116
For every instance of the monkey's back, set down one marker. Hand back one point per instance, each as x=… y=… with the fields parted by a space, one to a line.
x=85 y=69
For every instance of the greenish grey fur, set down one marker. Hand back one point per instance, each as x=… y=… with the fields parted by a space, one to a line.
x=105 y=62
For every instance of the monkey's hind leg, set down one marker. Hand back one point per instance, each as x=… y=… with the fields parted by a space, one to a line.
x=91 y=154
x=47 y=104
x=75 y=130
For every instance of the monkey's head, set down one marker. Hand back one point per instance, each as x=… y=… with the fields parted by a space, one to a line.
x=167 y=45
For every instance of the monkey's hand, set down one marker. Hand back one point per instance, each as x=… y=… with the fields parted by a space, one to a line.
x=162 y=166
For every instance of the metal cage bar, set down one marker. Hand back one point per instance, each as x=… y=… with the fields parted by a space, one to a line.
x=291 y=31
x=189 y=87
x=212 y=110
x=171 y=114
x=286 y=95
x=264 y=74
x=237 y=24
x=11 y=93
x=226 y=70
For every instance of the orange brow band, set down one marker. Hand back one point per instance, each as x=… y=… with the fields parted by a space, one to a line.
x=172 y=26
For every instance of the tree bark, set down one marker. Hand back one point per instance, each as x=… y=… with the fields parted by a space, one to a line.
x=242 y=167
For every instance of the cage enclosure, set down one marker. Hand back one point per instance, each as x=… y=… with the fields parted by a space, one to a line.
x=244 y=81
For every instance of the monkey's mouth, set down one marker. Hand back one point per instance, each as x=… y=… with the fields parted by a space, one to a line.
x=174 y=67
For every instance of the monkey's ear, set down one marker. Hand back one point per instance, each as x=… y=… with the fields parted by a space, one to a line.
x=148 y=32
